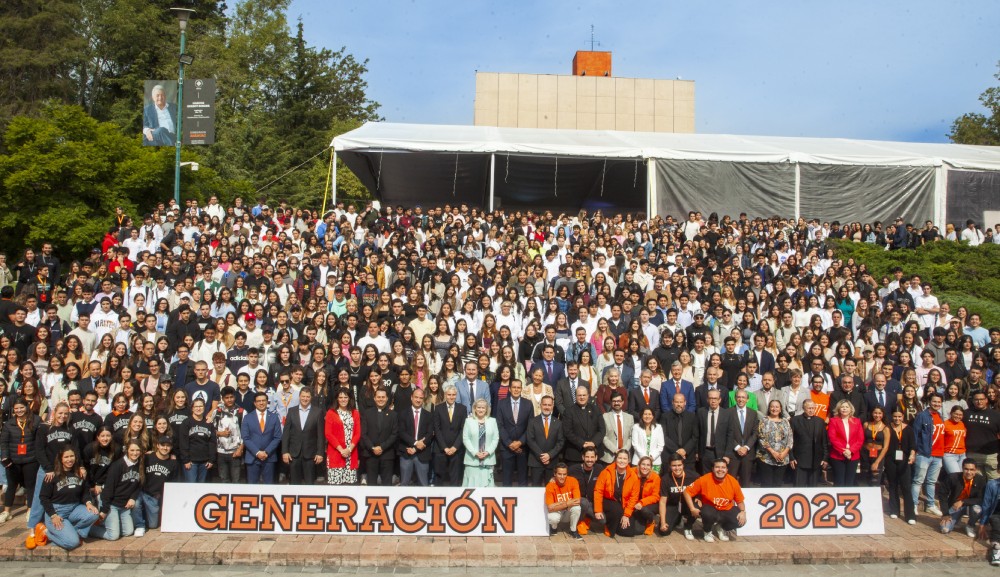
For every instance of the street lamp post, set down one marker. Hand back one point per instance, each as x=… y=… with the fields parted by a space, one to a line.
x=183 y=14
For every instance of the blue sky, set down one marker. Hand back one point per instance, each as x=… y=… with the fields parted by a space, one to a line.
x=886 y=70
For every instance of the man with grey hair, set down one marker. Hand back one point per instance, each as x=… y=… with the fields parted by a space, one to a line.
x=449 y=451
x=159 y=120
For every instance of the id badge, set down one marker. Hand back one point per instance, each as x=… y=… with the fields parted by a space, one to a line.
x=873 y=452
x=899 y=455
x=22 y=449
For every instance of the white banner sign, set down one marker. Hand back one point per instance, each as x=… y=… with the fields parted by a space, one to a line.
x=357 y=510
x=822 y=511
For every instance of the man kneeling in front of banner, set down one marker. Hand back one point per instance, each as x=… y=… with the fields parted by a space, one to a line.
x=717 y=499
x=562 y=498
x=989 y=520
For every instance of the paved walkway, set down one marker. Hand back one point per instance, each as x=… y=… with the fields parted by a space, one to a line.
x=900 y=544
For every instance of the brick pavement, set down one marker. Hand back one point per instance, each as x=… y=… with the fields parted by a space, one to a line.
x=900 y=544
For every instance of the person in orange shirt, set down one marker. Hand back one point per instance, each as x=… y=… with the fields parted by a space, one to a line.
x=562 y=501
x=644 y=514
x=717 y=499
x=615 y=496
x=954 y=441
x=821 y=399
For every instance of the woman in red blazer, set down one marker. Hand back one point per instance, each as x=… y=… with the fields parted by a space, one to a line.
x=343 y=431
x=846 y=438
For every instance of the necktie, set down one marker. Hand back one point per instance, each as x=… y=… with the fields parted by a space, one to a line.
x=549 y=364
x=546 y=427
x=881 y=399
x=619 y=417
x=451 y=412
x=572 y=387
x=743 y=420
x=416 y=421
x=645 y=393
x=262 y=423
x=711 y=429
x=515 y=406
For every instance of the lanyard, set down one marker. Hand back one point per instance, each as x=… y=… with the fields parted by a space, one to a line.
x=22 y=426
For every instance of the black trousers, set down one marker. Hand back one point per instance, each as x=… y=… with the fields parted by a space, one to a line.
x=726 y=519
x=994 y=528
x=380 y=468
x=899 y=478
x=741 y=467
x=514 y=467
x=449 y=469
x=540 y=476
x=302 y=471
x=675 y=515
x=613 y=513
x=770 y=475
x=807 y=477
x=23 y=475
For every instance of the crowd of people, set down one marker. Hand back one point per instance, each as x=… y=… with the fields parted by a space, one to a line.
x=643 y=371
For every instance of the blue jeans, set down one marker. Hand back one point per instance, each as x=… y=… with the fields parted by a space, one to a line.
x=198 y=473
x=37 y=513
x=116 y=525
x=954 y=514
x=925 y=472
x=146 y=513
x=76 y=520
x=952 y=462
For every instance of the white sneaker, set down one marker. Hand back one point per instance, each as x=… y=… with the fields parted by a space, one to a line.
x=4 y=517
x=894 y=516
x=723 y=535
x=688 y=534
x=970 y=531
x=911 y=522
x=708 y=537
x=139 y=532
x=934 y=511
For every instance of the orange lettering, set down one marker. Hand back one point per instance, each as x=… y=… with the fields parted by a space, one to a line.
x=308 y=507
x=437 y=508
x=215 y=517
x=342 y=510
x=242 y=521
x=401 y=523
x=492 y=513
x=273 y=511
x=376 y=512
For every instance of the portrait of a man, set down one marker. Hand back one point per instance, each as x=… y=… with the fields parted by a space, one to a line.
x=159 y=116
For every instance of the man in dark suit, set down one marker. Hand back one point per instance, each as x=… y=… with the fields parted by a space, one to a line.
x=182 y=372
x=583 y=427
x=849 y=392
x=624 y=367
x=712 y=383
x=379 y=426
x=553 y=369
x=879 y=396
x=261 y=432
x=714 y=426
x=743 y=439
x=810 y=446
x=513 y=414
x=449 y=451
x=645 y=397
x=675 y=384
x=565 y=389
x=680 y=431
x=764 y=358
x=415 y=433
x=303 y=441
x=159 y=120
x=545 y=440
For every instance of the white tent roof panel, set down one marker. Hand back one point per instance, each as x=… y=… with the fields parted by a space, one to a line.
x=375 y=136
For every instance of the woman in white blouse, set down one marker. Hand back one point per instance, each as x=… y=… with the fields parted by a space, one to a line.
x=647 y=439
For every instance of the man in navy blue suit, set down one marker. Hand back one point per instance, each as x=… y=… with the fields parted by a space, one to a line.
x=159 y=120
x=554 y=370
x=674 y=385
x=261 y=432
x=765 y=360
x=513 y=415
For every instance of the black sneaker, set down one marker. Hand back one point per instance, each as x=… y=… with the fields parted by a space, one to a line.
x=576 y=535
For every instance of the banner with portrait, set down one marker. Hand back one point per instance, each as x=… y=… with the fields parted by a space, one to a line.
x=159 y=113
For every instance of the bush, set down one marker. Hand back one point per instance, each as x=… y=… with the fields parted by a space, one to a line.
x=962 y=275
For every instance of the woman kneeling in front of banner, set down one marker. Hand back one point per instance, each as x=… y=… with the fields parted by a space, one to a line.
x=121 y=490
x=615 y=496
x=717 y=499
x=66 y=500
x=480 y=437
x=343 y=431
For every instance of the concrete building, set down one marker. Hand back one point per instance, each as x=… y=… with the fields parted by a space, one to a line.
x=589 y=99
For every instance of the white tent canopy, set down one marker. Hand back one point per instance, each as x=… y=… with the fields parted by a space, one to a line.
x=430 y=160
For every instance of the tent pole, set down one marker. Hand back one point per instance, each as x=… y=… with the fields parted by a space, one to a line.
x=651 y=200
x=941 y=196
x=493 y=168
x=333 y=179
x=798 y=192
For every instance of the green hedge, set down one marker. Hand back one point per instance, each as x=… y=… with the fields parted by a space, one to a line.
x=962 y=275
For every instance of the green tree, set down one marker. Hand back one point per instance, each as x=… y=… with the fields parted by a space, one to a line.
x=978 y=128
x=64 y=173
